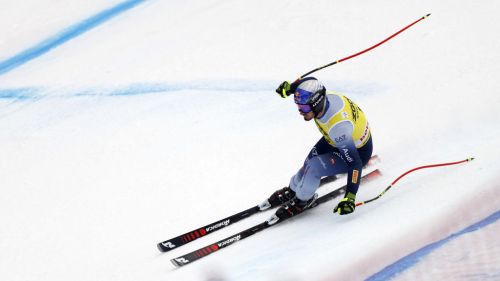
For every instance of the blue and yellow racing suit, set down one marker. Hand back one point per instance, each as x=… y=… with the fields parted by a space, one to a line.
x=346 y=146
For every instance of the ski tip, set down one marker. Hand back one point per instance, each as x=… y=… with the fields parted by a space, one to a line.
x=470 y=159
x=175 y=263
x=375 y=173
x=180 y=261
x=374 y=160
x=161 y=248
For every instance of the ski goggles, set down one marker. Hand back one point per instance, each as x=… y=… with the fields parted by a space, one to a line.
x=304 y=108
x=301 y=98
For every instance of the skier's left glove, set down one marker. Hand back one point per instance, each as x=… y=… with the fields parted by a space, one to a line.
x=346 y=205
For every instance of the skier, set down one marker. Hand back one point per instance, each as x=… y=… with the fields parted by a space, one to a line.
x=346 y=146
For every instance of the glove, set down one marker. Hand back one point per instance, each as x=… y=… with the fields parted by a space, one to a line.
x=284 y=89
x=346 y=205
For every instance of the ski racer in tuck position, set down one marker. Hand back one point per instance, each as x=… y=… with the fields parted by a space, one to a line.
x=346 y=146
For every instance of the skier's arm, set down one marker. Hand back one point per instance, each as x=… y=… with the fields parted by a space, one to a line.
x=341 y=134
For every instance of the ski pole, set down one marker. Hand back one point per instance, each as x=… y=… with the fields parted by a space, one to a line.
x=410 y=171
x=366 y=50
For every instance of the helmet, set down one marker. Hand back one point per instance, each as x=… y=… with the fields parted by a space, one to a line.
x=310 y=96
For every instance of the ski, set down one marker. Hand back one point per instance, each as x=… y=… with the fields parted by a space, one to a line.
x=205 y=251
x=190 y=236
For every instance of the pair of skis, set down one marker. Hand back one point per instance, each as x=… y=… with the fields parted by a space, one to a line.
x=190 y=236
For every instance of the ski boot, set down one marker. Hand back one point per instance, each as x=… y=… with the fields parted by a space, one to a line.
x=278 y=198
x=292 y=208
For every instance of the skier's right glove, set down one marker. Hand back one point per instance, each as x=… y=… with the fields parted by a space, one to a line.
x=284 y=89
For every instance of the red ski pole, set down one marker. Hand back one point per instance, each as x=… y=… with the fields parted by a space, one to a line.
x=364 y=51
x=410 y=171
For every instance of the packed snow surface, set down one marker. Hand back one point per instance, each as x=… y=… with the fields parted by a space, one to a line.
x=123 y=128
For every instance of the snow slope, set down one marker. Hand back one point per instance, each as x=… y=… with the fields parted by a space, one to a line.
x=164 y=117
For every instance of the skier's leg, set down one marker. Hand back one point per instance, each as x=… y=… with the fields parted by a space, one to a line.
x=322 y=160
x=306 y=181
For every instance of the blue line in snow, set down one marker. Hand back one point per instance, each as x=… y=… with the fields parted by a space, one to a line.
x=18 y=93
x=65 y=35
x=149 y=88
x=412 y=259
x=135 y=89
